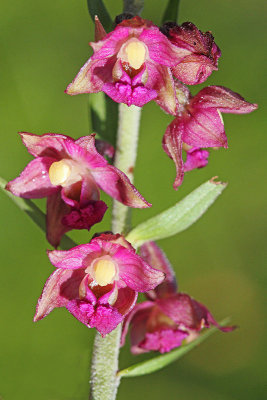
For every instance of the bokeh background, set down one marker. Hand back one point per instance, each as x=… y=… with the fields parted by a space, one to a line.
x=219 y=260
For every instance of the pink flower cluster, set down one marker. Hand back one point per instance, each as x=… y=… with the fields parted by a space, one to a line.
x=98 y=282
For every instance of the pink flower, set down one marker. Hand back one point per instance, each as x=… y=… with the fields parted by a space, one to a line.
x=131 y=65
x=168 y=317
x=97 y=282
x=70 y=173
x=201 y=53
x=199 y=124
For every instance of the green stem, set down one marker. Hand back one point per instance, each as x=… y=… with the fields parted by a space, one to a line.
x=134 y=7
x=104 y=379
x=126 y=151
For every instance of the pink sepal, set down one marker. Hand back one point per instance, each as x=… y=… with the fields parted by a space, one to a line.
x=48 y=144
x=185 y=311
x=56 y=209
x=60 y=288
x=33 y=182
x=225 y=100
x=172 y=144
x=163 y=340
x=155 y=257
x=117 y=185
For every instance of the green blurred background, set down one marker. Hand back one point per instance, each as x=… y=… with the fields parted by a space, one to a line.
x=219 y=260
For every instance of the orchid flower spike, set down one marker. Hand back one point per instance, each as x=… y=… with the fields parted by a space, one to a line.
x=168 y=318
x=199 y=124
x=131 y=64
x=98 y=282
x=70 y=173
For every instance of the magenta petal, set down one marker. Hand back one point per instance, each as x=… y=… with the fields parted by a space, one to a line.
x=204 y=128
x=87 y=154
x=155 y=257
x=172 y=145
x=81 y=310
x=105 y=319
x=161 y=51
x=194 y=69
x=34 y=182
x=56 y=209
x=163 y=340
x=136 y=273
x=61 y=286
x=196 y=158
x=116 y=184
x=48 y=145
x=73 y=258
x=140 y=314
x=128 y=94
x=223 y=99
x=126 y=300
x=85 y=218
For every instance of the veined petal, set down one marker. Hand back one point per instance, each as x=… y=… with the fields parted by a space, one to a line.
x=161 y=80
x=56 y=209
x=116 y=184
x=49 y=144
x=135 y=272
x=204 y=128
x=194 y=69
x=225 y=100
x=34 y=182
x=86 y=155
x=61 y=287
x=126 y=300
x=172 y=145
x=155 y=257
x=161 y=50
x=73 y=258
x=196 y=158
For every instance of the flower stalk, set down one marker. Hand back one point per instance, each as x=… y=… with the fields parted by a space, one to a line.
x=104 y=379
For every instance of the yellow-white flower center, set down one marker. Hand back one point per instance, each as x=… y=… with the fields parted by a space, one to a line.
x=59 y=172
x=136 y=53
x=104 y=271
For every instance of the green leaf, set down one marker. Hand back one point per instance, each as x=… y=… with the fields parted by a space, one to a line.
x=179 y=217
x=103 y=113
x=171 y=11
x=159 y=362
x=97 y=7
x=36 y=215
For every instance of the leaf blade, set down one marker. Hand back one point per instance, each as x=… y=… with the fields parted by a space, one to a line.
x=35 y=214
x=159 y=362
x=171 y=11
x=179 y=217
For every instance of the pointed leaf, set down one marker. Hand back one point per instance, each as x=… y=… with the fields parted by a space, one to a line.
x=179 y=217
x=35 y=214
x=97 y=7
x=103 y=113
x=171 y=11
x=159 y=362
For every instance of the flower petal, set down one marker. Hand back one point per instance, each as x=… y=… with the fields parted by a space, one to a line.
x=194 y=69
x=49 y=144
x=135 y=272
x=105 y=319
x=61 y=286
x=225 y=100
x=34 y=182
x=86 y=217
x=204 y=128
x=86 y=154
x=116 y=184
x=56 y=209
x=155 y=257
x=73 y=258
x=172 y=145
x=161 y=80
x=126 y=300
x=196 y=158
x=163 y=340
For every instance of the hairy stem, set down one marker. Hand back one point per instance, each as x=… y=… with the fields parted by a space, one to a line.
x=104 y=379
x=126 y=151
